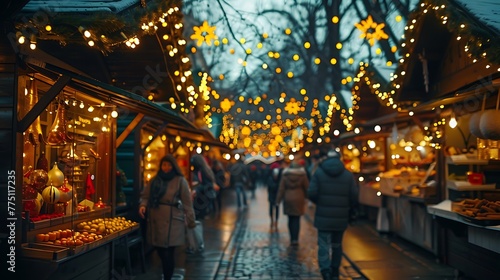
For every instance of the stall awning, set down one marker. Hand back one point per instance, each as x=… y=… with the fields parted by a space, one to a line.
x=200 y=135
x=110 y=94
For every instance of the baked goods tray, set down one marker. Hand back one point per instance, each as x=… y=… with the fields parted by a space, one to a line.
x=480 y=221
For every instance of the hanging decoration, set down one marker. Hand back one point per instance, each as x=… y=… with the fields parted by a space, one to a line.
x=39 y=179
x=204 y=34
x=57 y=136
x=292 y=107
x=371 y=30
x=34 y=132
x=90 y=189
x=55 y=176
x=226 y=105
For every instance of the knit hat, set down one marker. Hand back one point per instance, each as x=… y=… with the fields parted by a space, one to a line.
x=274 y=165
x=333 y=153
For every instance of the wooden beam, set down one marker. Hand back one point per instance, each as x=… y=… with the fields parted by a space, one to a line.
x=42 y=103
x=158 y=131
x=126 y=132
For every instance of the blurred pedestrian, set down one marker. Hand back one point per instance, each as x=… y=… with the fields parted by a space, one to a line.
x=335 y=192
x=273 y=181
x=167 y=202
x=220 y=179
x=240 y=177
x=293 y=191
x=203 y=180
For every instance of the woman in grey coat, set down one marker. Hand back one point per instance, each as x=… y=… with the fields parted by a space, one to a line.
x=293 y=192
x=167 y=201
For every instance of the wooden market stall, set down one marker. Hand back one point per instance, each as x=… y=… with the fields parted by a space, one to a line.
x=63 y=102
x=451 y=70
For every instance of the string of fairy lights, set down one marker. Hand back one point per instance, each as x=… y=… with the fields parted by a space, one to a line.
x=278 y=133
x=475 y=48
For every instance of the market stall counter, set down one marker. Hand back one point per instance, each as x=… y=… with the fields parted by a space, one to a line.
x=472 y=244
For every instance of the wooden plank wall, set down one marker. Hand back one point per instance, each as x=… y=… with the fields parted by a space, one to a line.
x=8 y=81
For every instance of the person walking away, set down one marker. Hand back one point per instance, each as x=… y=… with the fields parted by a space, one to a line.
x=203 y=196
x=292 y=191
x=220 y=179
x=167 y=202
x=273 y=180
x=335 y=192
x=239 y=179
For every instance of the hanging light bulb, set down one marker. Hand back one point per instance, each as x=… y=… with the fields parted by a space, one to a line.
x=90 y=109
x=114 y=114
x=453 y=121
x=32 y=42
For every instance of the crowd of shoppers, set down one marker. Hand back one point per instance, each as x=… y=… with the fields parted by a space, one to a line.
x=172 y=205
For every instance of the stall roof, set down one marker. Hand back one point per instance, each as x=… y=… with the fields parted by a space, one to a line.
x=487 y=11
x=109 y=93
x=60 y=6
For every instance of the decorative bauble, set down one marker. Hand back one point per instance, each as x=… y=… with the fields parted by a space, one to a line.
x=474 y=124
x=27 y=174
x=65 y=192
x=51 y=194
x=489 y=125
x=56 y=176
x=39 y=202
x=29 y=192
x=39 y=179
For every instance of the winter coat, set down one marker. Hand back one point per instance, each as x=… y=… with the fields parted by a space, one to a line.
x=335 y=192
x=205 y=194
x=293 y=191
x=273 y=183
x=239 y=174
x=166 y=225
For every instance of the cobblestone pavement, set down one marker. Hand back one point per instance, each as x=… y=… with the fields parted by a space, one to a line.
x=240 y=245
x=257 y=252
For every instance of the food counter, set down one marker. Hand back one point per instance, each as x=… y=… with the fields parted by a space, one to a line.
x=470 y=247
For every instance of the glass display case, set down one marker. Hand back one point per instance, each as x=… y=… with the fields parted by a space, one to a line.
x=68 y=192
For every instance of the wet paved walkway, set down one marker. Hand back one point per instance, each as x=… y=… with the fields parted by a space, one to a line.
x=240 y=245
x=257 y=252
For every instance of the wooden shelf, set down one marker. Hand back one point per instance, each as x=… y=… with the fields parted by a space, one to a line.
x=466 y=186
x=464 y=160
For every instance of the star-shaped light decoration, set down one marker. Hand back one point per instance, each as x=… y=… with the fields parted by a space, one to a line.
x=226 y=105
x=292 y=107
x=371 y=30
x=204 y=33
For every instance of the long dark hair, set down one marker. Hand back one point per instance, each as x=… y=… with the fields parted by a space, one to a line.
x=200 y=164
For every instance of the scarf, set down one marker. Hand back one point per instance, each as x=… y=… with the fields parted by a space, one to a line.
x=159 y=187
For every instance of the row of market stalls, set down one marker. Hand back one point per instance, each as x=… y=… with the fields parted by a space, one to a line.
x=81 y=133
x=427 y=137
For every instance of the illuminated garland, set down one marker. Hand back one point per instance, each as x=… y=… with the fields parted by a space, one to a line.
x=102 y=30
x=480 y=45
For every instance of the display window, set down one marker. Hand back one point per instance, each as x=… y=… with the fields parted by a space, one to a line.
x=68 y=167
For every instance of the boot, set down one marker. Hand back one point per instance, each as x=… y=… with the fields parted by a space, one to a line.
x=326 y=274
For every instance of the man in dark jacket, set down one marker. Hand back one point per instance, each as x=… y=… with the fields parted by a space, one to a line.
x=335 y=192
x=240 y=177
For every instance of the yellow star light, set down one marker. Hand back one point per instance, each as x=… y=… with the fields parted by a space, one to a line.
x=204 y=33
x=226 y=105
x=292 y=107
x=371 y=30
